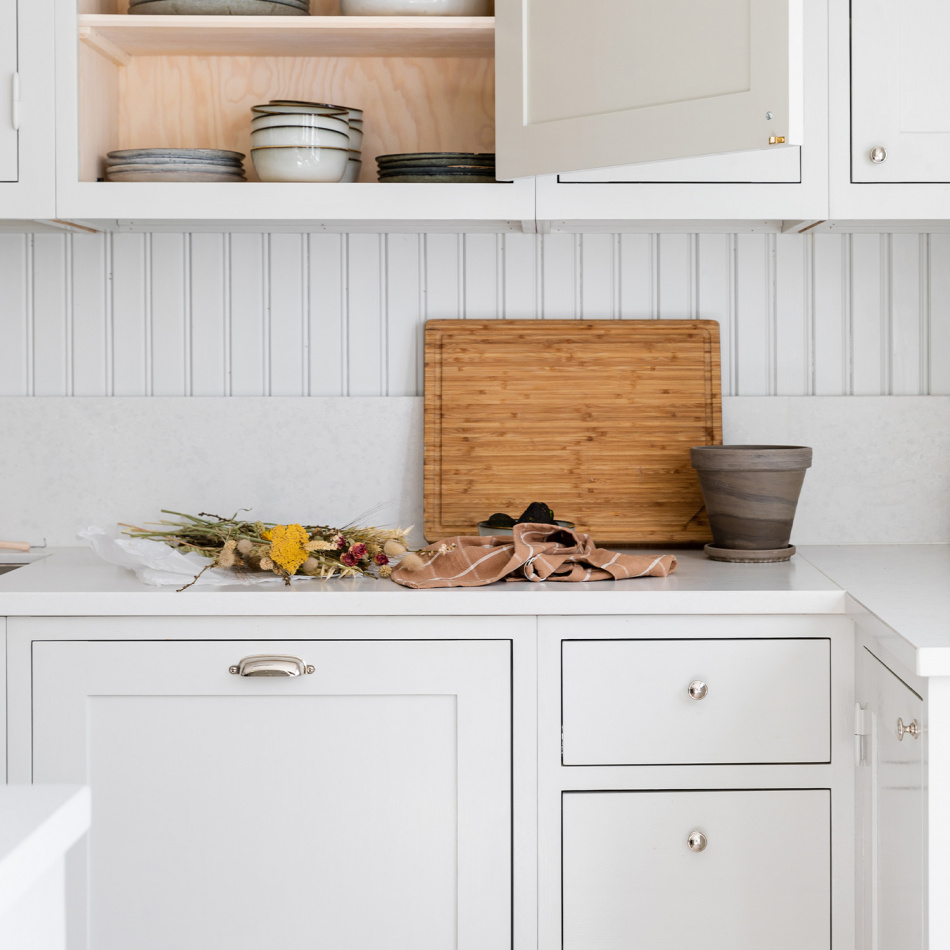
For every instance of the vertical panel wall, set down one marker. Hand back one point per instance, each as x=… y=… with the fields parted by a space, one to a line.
x=342 y=314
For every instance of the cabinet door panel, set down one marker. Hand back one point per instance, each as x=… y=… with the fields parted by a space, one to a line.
x=8 y=67
x=889 y=793
x=621 y=81
x=900 y=74
x=631 y=880
x=337 y=809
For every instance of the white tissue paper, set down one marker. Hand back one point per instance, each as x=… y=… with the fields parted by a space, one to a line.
x=154 y=562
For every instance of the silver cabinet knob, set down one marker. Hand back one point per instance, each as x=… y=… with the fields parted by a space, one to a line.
x=696 y=842
x=268 y=664
x=911 y=729
x=878 y=154
x=697 y=689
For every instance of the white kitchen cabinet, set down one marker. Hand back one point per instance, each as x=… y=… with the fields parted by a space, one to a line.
x=27 y=111
x=695 y=781
x=890 y=809
x=364 y=804
x=430 y=83
x=890 y=122
x=766 y=182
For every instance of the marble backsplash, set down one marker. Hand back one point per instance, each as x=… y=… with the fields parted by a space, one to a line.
x=881 y=470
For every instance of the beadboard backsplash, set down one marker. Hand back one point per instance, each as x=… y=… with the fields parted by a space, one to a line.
x=342 y=314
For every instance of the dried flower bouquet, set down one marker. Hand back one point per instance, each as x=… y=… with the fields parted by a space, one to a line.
x=284 y=549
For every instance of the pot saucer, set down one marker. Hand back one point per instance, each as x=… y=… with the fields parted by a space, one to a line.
x=749 y=557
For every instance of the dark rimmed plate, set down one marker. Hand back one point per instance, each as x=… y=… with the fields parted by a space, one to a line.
x=174 y=154
x=479 y=157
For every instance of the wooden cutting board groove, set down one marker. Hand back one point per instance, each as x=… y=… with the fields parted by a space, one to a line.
x=593 y=417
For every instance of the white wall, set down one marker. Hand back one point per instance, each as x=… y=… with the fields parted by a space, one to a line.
x=331 y=315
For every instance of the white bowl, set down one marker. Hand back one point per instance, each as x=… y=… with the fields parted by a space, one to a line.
x=353 y=167
x=299 y=108
x=299 y=135
x=416 y=7
x=299 y=163
x=356 y=137
x=306 y=120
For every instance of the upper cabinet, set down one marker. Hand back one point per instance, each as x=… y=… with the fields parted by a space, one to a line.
x=27 y=184
x=9 y=103
x=618 y=82
x=890 y=124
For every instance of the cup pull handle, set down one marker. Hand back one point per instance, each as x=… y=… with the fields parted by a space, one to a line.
x=268 y=664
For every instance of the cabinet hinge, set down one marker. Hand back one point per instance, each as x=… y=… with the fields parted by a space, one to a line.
x=15 y=101
x=562 y=743
x=861 y=731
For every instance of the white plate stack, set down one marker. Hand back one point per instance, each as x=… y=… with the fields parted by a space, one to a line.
x=175 y=164
x=292 y=140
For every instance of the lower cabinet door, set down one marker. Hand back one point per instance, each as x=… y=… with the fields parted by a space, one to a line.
x=366 y=804
x=722 y=870
x=889 y=811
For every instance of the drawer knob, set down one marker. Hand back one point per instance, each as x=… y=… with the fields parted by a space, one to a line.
x=697 y=690
x=696 y=842
x=270 y=665
x=878 y=154
x=911 y=729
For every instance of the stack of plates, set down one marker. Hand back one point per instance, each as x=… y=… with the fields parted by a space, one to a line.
x=174 y=164
x=222 y=7
x=437 y=166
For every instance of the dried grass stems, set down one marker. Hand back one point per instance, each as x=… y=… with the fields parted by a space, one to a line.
x=285 y=550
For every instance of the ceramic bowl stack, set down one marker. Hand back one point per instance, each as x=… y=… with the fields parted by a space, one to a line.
x=461 y=167
x=174 y=164
x=306 y=141
x=222 y=7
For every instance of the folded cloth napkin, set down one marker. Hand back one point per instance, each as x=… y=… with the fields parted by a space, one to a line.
x=536 y=552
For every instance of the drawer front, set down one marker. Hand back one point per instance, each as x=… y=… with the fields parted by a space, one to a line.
x=762 y=879
x=628 y=702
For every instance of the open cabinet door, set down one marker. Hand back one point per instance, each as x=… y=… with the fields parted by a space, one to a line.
x=611 y=82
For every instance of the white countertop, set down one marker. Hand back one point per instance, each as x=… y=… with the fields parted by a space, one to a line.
x=38 y=824
x=901 y=593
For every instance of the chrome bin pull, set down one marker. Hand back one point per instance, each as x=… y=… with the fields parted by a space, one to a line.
x=271 y=664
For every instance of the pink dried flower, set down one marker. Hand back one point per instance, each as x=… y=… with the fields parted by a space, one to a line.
x=348 y=559
x=358 y=550
x=340 y=542
x=381 y=559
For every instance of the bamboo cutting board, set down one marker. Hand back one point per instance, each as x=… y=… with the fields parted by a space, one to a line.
x=593 y=417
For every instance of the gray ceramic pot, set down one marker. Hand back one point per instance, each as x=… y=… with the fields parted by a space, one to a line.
x=751 y=492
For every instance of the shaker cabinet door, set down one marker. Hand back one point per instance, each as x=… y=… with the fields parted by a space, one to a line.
x=890 y=814
x=900 y=76
x=8 y=74
x=609 y=82
x=364 y=805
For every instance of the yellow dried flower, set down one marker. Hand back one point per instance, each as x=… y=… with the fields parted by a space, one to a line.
x=287 y=546
x=385 y=571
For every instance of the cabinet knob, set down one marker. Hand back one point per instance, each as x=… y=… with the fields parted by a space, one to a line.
x=911 y=729
x=696 y=842
x=878 y=154
x=697 y=689
x=267 y=664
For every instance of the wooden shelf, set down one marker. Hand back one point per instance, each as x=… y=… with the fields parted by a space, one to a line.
x=121 y=36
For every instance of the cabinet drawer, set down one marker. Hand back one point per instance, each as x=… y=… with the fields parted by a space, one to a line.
x=627 y=702
x=762 y=880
